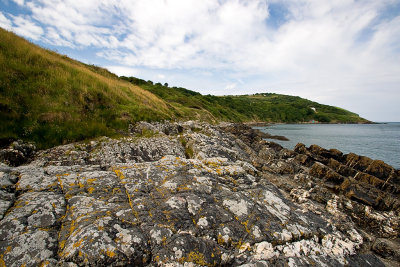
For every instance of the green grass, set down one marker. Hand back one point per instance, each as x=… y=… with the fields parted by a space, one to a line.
x=52 y=99
x=267 y=107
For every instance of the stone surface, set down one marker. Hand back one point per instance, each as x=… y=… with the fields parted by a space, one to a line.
x=193 y=194
x=17 y=153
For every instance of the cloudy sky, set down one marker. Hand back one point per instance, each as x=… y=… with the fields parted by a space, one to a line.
x=339 y=52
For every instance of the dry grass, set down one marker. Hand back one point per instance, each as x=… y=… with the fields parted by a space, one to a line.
x=53 y=99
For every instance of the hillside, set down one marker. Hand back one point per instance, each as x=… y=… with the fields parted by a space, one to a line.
x=51 y=99
x=267 y=107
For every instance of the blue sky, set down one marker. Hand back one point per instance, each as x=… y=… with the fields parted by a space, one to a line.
x=344 y=53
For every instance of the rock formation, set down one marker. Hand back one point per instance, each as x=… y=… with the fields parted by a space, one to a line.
x=193 y=194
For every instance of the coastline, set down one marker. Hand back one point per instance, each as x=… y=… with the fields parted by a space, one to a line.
x=218 y=194
x=263 y=124
x=377 y=141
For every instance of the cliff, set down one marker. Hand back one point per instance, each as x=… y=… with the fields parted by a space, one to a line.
x=193 y=194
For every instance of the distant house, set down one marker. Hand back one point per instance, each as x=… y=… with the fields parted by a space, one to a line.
x=313 y=109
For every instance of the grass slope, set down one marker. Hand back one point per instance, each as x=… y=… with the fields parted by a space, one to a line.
x=267 y=107
x=51 y=99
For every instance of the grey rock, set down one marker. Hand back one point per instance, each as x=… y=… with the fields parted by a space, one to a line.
x=387 y=248
x=189 y=194
x=17 y=153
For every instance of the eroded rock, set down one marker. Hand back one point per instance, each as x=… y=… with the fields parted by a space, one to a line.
x=192 y=194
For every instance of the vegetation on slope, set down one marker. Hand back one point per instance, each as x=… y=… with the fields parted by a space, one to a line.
x=267 y=107
x=51 y=99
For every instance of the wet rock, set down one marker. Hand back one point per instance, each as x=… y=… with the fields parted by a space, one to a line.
x=323 y=172
x=387 y=248
x=286 y=153
x=380 y=169
x=357 y=162
x=365 y=260
x=341 y=168
x=304 y=160
x=300 y=148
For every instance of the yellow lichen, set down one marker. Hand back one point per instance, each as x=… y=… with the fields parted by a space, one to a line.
x=121 y=176
x=220 y=240
x=60 y=181
x=62 y=244
x=197 y=258
x=91 y=181
x=81 y=185
x=239 y=244
x=78 y=244
x=110 y=253
x=45 y=263
x=116 y=190
x=90 y=190
x=245 y=223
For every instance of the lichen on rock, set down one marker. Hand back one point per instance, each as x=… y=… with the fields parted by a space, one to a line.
x=236 y=200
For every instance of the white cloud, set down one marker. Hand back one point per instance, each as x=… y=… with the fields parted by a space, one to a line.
x=161 y=76
x=230 y=87
x=212 y=34
x=19 y=2
x=4 y=22
x=320 y=49
x=26 y=27
x=53 y=37
x=123 y=71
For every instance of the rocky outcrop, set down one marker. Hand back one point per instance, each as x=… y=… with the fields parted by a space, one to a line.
x=17 y=153
x=193 y=194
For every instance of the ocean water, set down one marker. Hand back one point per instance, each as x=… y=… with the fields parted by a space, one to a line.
x=376 y=141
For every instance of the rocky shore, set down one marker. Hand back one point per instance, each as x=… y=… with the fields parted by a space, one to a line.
x=194 y=194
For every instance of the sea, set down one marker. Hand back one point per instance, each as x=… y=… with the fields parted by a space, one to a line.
x=376 y=141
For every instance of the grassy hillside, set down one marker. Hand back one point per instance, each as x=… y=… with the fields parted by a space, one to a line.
x=51 y=99
x=266 y=107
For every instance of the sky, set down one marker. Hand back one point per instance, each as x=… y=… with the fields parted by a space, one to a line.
x=344 y=53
